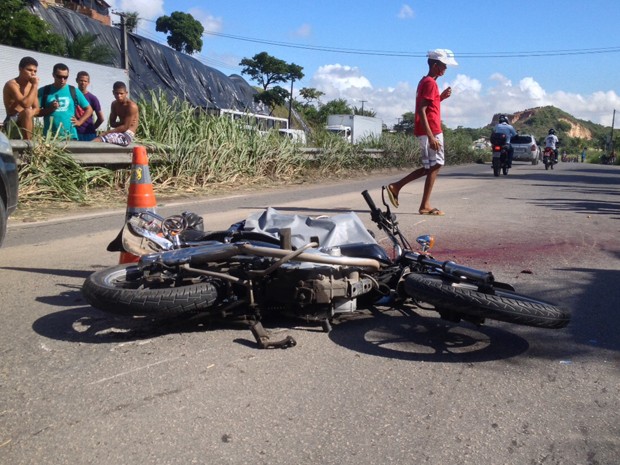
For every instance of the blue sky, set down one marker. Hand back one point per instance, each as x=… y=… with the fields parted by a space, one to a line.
x=512 y=55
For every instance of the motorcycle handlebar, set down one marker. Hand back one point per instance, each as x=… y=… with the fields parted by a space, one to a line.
x=375 y=213
x=369 y=201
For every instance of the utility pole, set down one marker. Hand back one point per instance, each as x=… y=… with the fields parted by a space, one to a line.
x=613 y=119
x=290 y=103
x=124 y=52
x=363 y=101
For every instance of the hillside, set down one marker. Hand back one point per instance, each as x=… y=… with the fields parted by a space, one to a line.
x=538 y=121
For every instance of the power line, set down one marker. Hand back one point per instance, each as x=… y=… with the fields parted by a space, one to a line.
x=393 y=53
x=519 y=54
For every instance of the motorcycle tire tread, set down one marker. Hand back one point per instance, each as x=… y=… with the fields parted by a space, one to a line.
x=99 y=292
x=504 y=305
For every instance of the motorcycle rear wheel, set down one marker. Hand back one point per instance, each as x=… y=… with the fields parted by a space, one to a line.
x=496 y=167
x=119 y=290
x=502 y=304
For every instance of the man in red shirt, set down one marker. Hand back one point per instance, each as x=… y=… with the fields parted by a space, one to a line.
x=427 y=129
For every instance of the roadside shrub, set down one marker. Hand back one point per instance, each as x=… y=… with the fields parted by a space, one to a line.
x=48 y=173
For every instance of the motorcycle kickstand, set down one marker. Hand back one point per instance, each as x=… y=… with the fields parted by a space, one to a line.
x=262 y=338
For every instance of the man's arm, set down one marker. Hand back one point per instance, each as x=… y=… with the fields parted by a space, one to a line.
x=100 y=119
x=114 y=121
x=422 y=107
x=46 y=110
x=16 y=101
x=87 y=112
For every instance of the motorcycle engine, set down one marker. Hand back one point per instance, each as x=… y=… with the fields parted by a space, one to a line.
x=317 y=288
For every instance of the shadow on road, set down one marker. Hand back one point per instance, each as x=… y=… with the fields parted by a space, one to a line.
x=392 y=334
x=51 y=271
x=595 y=319
x=426 y=339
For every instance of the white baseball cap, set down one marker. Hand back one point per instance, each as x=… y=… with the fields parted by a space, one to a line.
x=444 y=55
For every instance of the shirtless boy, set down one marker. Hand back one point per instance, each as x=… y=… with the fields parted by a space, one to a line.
x=20 y=98
x=123 y=118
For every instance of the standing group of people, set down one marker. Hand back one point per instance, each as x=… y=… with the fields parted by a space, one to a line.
x=68 y=112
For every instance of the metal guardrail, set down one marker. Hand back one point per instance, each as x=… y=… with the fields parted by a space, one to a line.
x=86 y=153
x=115 y=156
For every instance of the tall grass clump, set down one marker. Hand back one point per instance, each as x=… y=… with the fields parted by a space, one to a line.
x=47 y=173
x=196 y=149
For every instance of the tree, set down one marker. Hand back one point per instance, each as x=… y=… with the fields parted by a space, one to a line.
x=83 y=47
x=21 y=28
x=266 y=69
x=310 y=94
x=309 y=108
x=361 y=112
x=334 y=107
x=272 y=97
x=185 y=32
x=131 y=21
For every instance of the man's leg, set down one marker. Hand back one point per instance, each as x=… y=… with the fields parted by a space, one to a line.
x=425 y=204
x=25 y=121
x=398 y=185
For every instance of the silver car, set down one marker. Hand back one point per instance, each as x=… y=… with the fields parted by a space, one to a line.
x=525 y=148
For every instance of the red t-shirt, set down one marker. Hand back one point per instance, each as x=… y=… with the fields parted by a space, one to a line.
x=428 y=90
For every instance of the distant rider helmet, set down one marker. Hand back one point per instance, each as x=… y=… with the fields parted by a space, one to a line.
x=551 y=131
x=503 y=119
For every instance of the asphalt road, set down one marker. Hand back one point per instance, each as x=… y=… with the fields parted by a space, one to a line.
x=78 y=386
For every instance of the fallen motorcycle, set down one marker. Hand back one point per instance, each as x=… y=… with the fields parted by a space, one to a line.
x=313 y=268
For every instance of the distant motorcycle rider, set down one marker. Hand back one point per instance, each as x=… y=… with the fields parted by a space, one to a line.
x=552 y=141
x=504 y=127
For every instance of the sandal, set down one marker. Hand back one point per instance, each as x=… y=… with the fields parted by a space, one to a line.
x=432 y=212
x=393 y=198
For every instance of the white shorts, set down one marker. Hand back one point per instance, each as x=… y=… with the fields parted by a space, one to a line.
x=429 y=156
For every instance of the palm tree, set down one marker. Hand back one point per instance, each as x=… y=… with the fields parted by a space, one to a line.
x=83 y=47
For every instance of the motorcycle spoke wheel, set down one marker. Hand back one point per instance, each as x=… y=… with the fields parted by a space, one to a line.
x=502 y=304
x=120 y=290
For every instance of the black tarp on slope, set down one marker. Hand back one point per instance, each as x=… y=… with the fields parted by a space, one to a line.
x=154 y=66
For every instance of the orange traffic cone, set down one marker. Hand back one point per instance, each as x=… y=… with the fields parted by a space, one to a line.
x=141 y=197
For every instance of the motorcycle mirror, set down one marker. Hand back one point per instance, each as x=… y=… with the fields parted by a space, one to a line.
x=385 y=203
x=426 y=241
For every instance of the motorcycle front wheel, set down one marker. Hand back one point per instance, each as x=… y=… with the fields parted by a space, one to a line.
x=121 y=290
x=501 y=304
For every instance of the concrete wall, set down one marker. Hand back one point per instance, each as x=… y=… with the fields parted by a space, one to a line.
x=102 y=78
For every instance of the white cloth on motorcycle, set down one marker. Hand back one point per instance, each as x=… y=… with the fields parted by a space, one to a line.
x=332 y=231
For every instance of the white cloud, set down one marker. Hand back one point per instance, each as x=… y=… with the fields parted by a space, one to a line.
x=471 y=104
x=305 y=30
x=208 y=21
x=147 y=9
x=531 y=88
x=337 y=79
x=405 y=12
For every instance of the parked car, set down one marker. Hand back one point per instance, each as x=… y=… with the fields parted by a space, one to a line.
x=8 y=184
x=525 y=148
